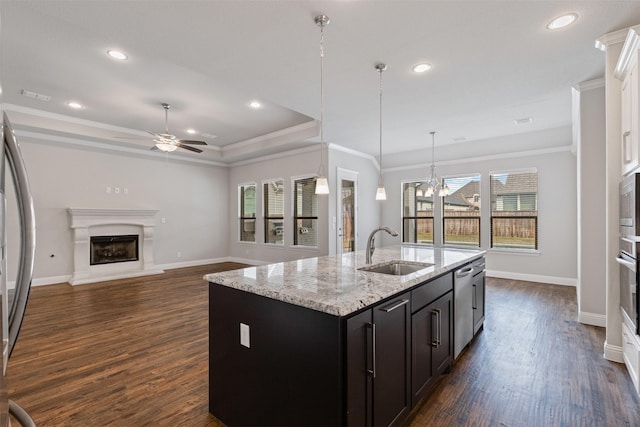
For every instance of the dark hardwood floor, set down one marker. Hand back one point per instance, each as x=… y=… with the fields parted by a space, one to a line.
x=134 y=353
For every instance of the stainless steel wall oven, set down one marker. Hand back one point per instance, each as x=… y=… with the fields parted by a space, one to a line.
x=629 y=244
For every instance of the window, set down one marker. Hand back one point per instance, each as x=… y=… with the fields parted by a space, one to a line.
x=514 y=210
x=273 y=193
x=305 y=212
x=247 y=210
x=461 y=211
x=417 y=213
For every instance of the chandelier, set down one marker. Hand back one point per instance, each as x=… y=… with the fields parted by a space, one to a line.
x=434 y=183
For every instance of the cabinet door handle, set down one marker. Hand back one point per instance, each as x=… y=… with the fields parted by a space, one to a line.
x=372 y=372
x=439 y=326
x=434 y=329
x=393 y=306
x=474 y=304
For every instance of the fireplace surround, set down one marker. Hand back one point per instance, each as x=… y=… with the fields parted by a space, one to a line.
x=90 y=222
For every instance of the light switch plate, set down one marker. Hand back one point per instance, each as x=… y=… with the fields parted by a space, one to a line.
x=244 y=335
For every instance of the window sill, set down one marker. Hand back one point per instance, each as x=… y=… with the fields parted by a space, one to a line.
x=304 y=248
x=512 y=251
x=245 y=242
x=273 y=245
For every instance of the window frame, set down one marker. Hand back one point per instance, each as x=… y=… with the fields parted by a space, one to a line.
x=294 y=210
x=477 y=218
x=241 y=203
x=535 y=217
x=268 y=218
x=416 y=218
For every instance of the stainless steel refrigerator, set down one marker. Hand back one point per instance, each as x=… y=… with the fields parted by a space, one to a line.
x=13 y=304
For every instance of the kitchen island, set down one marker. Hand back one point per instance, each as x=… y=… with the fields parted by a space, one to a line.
x=319 y=341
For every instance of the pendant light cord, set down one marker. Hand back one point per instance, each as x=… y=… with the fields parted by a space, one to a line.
x=321 y=168
x=380 y=69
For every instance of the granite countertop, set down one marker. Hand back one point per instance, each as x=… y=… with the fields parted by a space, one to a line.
x=334 y=285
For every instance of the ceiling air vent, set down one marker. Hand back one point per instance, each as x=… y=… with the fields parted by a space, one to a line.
x=208 y=135
x=34 y=95
x=522 y=121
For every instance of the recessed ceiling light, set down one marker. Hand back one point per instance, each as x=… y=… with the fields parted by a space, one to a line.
x=255 y=104
x=562 y=21
x=191 y=131
x=116 y=54
x=74 y=105
x=421 y=68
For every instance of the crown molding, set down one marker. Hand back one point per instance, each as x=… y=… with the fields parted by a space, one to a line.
x=589 y=85
x=485 y=158
x=37 y=138
x=613 y=37
x=629 y=50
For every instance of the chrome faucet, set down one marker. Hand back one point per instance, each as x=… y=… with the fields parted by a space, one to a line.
x=371 y=242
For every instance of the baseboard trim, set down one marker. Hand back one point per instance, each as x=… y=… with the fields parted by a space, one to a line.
x=592 y=319
x=117 y=276
x=613 y=353
x=552 y=280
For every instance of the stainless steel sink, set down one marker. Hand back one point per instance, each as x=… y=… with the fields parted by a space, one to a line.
x=396 y=268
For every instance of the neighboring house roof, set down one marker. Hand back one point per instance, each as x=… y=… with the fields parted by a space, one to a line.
x=519 y=183
x=469 y=190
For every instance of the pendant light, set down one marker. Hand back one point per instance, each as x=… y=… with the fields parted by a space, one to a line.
x=434 y=183
x=322 y=184
x=381 y=194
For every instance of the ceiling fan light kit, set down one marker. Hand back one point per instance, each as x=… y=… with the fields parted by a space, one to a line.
x=168 y=142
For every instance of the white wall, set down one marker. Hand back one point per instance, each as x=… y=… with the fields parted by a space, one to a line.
x=190 y=196
x=369 y=209
x=589 y=137
x=303 y=162
x=556 y=261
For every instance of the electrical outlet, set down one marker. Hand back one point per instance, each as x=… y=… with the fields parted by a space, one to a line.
x=117 y=190
x=108 y=190
x=244 y=335
x=125 y=190
x=179 y=254
x=163 y=220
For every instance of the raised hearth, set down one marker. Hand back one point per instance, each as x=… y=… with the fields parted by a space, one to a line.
x=119 y=224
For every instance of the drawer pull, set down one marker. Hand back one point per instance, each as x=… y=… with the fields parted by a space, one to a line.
x=392 y=307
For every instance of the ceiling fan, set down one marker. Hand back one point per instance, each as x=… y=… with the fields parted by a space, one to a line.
x=168 y=142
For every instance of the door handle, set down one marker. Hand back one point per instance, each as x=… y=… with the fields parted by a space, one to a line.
x=372 y=371
x=439 y=317
x=474 y=305
x=434 y=329
x=26 y=213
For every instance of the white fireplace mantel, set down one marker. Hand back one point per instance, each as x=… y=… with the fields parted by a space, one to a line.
x=87 y=222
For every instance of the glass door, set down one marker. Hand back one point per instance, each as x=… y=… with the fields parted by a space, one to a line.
x=347 y=210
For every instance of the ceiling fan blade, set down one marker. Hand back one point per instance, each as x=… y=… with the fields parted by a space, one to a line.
x=154 y=148
x=186 y=147
x=189 y=141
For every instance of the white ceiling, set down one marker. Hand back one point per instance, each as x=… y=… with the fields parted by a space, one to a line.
x=493 y=62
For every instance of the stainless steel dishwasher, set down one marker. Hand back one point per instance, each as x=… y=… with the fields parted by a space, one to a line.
x=462 y=308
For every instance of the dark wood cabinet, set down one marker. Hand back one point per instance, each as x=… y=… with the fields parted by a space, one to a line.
x=478 y=301
x=378 y=364
x=432 y=344
x=368 y=369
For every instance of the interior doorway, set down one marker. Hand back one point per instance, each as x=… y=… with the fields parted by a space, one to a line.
x=347 y=234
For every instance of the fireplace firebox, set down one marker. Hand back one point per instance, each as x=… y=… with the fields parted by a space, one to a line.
x=112 y=249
